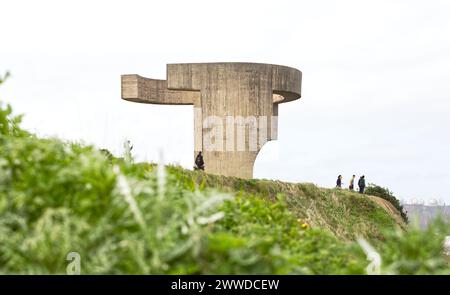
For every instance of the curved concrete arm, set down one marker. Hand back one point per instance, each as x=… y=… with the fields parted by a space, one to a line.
x=143 y=90
x=284 y=81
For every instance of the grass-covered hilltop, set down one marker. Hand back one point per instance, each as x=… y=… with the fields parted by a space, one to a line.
x=121 y=217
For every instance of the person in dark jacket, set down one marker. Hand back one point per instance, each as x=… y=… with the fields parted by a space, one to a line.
x=339 y=181
x=199 y=163
x=362 y=184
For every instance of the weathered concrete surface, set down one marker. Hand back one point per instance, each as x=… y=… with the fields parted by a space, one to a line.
x=222 y=91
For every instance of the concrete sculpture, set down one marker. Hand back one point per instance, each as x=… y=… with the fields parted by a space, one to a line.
x=235 y=107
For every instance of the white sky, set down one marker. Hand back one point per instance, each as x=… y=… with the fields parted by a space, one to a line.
x=376 y=80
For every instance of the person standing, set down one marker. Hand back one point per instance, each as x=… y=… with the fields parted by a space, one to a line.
x=199 y=163
x=339 y=181
x=352 y=183
x=362 y=184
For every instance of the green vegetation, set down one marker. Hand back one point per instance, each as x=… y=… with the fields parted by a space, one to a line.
x=384 y=193
x=340 y=212
x=137 y=218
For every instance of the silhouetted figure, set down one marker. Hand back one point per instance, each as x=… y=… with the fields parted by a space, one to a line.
x=362 y=184
x=199 y=163
x=352 y=183
x=339 y=181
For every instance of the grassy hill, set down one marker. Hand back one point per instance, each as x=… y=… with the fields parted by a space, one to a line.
x=120 y=217
x=343 y=213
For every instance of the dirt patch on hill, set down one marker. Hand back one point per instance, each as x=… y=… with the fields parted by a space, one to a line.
x=386 y=205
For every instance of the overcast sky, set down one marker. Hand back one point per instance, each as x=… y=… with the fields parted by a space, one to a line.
x=376 y=80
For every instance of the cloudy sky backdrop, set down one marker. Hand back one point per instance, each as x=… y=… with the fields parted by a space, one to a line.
x=376 y=80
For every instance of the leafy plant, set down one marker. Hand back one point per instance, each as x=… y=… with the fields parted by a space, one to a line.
x=9 y=123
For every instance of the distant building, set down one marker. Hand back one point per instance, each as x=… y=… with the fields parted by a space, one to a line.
x=426 y=213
